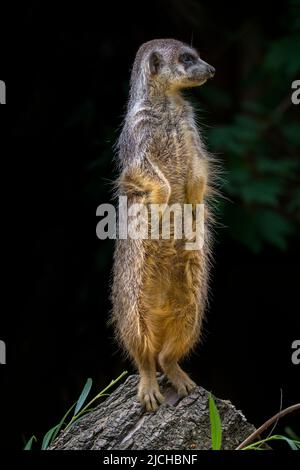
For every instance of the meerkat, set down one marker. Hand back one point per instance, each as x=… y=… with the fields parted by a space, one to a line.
x=159 y=288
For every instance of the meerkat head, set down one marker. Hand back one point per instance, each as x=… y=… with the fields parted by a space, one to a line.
x=170 y=65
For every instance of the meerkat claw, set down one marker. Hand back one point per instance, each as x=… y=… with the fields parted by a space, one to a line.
x=151 y=399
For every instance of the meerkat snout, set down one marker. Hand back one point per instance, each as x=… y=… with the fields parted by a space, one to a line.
x=201 y=71
x=211 y=71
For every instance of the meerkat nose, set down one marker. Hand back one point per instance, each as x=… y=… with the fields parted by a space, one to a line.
x=211 y=70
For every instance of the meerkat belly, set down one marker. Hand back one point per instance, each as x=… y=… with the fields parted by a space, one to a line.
x=172 y=282
x=170 y=269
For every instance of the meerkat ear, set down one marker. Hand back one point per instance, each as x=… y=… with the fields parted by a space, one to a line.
x=154 y=62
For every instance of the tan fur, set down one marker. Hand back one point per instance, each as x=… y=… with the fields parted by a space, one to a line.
x=160 y=288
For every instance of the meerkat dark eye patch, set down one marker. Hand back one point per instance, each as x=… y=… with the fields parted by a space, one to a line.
x=187 y=58
x=154 y=62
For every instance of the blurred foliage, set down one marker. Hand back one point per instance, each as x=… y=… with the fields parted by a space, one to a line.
x=253 y=127
x=261 y=144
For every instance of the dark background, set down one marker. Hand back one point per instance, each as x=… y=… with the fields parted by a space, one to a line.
x=67 y=86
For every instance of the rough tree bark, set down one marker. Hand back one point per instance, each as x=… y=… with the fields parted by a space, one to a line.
x=121 y=423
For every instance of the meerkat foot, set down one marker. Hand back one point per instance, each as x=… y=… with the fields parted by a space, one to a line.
x=183 y=385
x=150 y=397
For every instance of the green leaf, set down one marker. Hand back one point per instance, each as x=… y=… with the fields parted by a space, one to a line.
x=239 y=175
x=273 y=227
x=220 y=136
x=291 y=433
x=215 y=424
x=291 y=133
x=246 y=127
x=291 y=443
x=83 y=395
x=28 y=445
x=283 y=56
x=294 y=444
x=100 y=395
x=283 y=167
x=48 y=438
x=254 y=107
x=264 y=191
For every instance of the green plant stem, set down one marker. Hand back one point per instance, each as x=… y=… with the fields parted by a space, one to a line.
x=268 y=423
x=257 y=444
x=100 y=394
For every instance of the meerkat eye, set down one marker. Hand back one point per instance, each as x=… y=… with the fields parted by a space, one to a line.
x=187 y=59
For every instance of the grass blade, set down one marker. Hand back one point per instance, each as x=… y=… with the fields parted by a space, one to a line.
x=83 y=395
x=100 y=395
x=48 y=437
x=62 y=422
x=292 y=435
x=29 y=443
x=215 y=424
x=294 y=445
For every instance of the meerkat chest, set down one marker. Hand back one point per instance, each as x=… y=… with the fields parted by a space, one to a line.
x=178 y=153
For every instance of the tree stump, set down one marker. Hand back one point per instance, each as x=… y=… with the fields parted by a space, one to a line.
x=179 y=424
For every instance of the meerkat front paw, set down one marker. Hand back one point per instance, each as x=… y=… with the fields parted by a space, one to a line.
x=150 y=397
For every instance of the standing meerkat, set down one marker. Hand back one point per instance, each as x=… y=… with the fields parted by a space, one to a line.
x=159 y=287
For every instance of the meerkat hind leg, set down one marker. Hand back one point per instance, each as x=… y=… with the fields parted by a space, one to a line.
x=180 y=380
x=148 y=389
